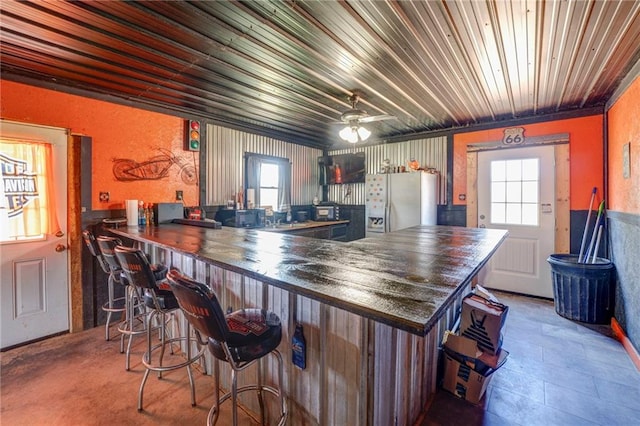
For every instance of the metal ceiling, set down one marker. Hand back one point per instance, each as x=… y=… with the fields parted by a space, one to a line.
x=286 y=69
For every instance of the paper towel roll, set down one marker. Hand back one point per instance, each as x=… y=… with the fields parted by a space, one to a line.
x=132 y=212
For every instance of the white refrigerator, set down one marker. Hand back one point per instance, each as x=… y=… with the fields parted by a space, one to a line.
x=397 y=201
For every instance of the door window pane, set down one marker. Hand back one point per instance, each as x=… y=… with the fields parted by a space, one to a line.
x=498 y=213
x=515 y=191
x=498 y=192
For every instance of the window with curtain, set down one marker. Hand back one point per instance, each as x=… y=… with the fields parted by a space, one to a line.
x=27 y=193
x=269 y=180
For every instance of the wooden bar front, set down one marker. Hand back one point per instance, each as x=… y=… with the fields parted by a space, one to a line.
x=373 y=310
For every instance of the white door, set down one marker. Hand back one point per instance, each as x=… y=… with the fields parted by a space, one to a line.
x=33 y=271
x=516 y=192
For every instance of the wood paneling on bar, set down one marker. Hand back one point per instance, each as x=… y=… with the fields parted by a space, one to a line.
x=363 y=366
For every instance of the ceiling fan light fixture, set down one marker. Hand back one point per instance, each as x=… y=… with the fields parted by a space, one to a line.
x=349 y=134
x=354 y=133
x=363 y=133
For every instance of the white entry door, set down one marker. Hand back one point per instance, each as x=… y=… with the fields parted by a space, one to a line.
x=33 y=270
x=516 y=192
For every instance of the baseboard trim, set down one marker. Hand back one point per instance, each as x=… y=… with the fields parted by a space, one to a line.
x=626 y=343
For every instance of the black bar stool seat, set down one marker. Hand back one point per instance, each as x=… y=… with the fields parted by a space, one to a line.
x=240 y=338
x=253 y=333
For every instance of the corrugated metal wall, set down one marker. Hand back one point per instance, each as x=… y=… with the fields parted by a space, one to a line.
x=225 y=164
x=430 y=152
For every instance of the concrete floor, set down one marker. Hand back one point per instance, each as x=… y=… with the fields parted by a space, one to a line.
x=559 y=372
x=80 y=379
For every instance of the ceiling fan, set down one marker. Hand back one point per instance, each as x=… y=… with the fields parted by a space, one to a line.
x=354 y=132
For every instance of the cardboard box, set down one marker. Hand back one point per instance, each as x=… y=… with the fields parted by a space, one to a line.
x=462 y=381
x=466 y=351
x=482 y=320
x=468 y=370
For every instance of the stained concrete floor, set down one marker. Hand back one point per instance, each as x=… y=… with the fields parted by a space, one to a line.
x=559 y=372
x=80 y=379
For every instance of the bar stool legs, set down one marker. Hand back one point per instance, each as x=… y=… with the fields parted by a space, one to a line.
x=148 y=360
x=134 y=322
x=112 y=305
x=212 y=418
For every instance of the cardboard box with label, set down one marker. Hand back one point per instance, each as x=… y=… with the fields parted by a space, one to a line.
x=482 y=319
x=467 y=369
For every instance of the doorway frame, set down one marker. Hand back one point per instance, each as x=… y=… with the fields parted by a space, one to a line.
x=562 y=182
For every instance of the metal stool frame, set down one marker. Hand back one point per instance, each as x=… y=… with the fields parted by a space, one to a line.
x=140 y=276
x=113 y=304
x=202 y=309
x=134 y=322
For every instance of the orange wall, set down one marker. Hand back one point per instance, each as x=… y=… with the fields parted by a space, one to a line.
x=585 y=149
x=623 y=128
x=117 y=132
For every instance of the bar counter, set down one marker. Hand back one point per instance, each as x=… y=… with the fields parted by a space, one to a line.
x=373 y=310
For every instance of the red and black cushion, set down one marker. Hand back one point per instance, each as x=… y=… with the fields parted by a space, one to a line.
x=252 y=334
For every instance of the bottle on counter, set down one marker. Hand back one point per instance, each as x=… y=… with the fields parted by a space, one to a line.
x=288 y=219
x=151 y=220
x=142 y=219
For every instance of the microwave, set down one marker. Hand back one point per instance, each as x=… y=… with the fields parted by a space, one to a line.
x=325 y=212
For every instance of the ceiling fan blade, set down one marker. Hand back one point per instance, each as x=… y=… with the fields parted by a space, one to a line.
x=371 y=118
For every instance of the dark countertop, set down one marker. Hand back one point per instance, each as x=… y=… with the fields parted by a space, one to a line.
x=404 y=279
x=289 y=227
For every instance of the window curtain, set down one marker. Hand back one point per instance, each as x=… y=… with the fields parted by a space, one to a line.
x=28 y=201
x=252 y=167
x=284 y=186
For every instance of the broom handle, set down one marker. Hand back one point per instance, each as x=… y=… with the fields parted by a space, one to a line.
x=593 y=235
x=586 y=225
x=595 y=251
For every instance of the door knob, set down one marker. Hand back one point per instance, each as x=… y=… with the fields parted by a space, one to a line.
x=59 y=234
x=61 y=248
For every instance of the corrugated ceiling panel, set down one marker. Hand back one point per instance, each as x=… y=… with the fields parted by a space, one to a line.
x=285 y=69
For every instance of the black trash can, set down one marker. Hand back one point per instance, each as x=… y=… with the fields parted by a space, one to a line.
x=583 y=291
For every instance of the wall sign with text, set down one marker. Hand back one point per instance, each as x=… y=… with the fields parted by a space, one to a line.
x=513 y=136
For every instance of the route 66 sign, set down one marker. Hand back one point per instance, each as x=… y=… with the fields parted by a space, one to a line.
x=513 y=136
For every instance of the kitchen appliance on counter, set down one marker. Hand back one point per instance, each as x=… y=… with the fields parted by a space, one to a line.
x=166 y=212
x=249 y=218
x=397 y=201
x=302 y=216
x=325 y=211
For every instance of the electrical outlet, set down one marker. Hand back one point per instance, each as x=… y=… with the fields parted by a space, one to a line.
x=104 y=197
x=178 y=195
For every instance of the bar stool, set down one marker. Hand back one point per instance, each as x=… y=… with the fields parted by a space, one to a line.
x=134 y=323
x=159 y=298
x=240 y=338
x=113 y=304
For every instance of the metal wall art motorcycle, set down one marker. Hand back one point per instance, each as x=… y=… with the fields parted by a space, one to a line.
x=155 y=168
